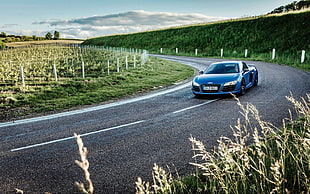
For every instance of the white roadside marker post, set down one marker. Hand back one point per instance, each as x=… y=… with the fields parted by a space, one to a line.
x=273 y=54
x=303 y=56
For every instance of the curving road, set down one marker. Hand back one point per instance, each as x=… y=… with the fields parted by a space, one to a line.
x=126 y=138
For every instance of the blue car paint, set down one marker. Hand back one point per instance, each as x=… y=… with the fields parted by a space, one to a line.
x=250 y=76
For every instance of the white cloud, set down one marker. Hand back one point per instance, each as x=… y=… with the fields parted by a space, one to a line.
x=127 y=22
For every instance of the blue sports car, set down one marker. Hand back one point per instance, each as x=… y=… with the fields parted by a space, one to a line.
x=225 y=78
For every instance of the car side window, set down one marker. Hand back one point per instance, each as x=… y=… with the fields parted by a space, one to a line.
x=244 y=66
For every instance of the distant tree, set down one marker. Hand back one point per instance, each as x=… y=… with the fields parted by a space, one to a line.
x=3 y=34
x=56 y=35
x=303 y=4
x=49 y=36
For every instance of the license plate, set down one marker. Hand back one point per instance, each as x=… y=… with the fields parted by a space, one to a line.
x=210 y=88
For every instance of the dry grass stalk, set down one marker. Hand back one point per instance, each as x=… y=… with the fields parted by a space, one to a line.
x=142 y=187
x=19 y=191
x=261 y=158
x=162 y=182
x=84 y=164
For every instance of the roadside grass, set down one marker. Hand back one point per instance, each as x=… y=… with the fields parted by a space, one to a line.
x=259 y=159
x=68 y=93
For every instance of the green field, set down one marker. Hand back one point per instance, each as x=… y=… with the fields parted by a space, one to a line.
x=288 y=34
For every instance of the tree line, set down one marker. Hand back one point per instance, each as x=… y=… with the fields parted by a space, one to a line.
x=303 y=4
x=5 y=38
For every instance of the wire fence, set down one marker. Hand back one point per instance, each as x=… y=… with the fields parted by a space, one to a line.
x=51 y=62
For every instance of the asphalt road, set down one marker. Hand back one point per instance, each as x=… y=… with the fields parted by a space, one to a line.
x=126 y=138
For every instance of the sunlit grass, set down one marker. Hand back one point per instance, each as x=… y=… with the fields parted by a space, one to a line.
x=67 y=93
x=259 y=159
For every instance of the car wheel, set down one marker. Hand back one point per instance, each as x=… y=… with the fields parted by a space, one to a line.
x=242 y=88
x=256 y=80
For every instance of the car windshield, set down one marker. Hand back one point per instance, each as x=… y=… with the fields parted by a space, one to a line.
x=222 y=68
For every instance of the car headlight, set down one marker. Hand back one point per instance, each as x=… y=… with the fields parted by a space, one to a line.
x=231 y=83
x=195 y=83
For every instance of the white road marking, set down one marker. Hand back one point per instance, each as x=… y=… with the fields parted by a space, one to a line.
x=195 y=106
x=69 y=113
x=104 y=130
x=82 y=135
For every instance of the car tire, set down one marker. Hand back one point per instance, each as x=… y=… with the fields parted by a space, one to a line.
x=256 y=80
x=242 y=88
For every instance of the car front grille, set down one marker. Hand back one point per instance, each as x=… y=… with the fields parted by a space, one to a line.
x=229 y=88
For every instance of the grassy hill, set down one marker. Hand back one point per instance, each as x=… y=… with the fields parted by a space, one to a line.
x=286 y=33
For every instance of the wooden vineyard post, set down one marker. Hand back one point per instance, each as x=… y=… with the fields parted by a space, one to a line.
x=134 y=61
x=108 y=67
x=21 y=69
x=117 y=65
x=55 y=72
x=83 y=70
x=126 y=63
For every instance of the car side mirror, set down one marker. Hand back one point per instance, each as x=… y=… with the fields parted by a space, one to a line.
x=200 y=72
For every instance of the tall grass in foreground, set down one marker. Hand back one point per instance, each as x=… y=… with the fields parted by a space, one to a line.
x=84 y=165
x=259 y=159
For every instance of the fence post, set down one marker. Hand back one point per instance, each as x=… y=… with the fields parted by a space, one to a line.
x=126 y=63
x=117 y=65
x=55 y=72
x=222 y=52
x=196 y=52
x=303 y=56
x=273 y=53
x=176 y=50
x=161 y=50
x=246 y=53
x=21 y=69
x=83 y=70
x=108 y=67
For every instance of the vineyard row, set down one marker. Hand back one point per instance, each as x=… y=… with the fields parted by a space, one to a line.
x=48 y=63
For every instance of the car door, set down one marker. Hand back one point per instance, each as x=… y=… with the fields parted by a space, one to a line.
x=246 y=74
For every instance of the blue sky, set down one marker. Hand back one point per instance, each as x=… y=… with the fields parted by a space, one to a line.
x=89 y=18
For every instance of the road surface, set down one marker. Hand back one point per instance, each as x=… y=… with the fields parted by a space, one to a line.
x=127 y=137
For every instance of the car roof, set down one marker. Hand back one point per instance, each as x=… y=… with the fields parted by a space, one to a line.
x=225 y=62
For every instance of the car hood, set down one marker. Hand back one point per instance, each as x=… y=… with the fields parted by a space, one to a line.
x=216 y=78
